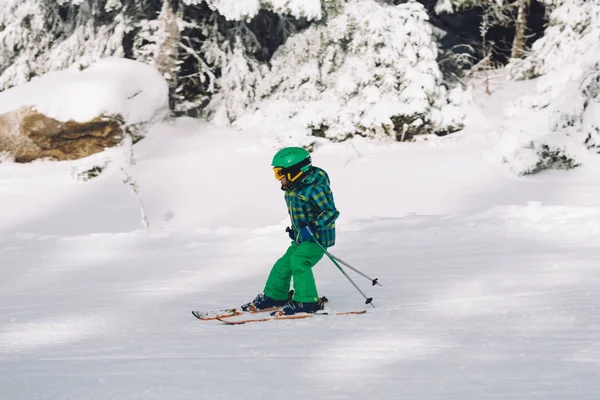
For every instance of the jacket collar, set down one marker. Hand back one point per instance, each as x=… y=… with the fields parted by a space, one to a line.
x=304 y=179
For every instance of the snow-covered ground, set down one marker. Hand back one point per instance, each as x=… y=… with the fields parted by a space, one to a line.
x=490 y=281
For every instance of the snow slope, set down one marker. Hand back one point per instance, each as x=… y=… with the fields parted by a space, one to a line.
x=490 y=281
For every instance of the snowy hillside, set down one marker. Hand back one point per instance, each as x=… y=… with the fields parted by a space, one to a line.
x=490 y=280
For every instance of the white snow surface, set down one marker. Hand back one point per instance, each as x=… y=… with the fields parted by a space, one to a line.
x=111 y=86
x=490 y=281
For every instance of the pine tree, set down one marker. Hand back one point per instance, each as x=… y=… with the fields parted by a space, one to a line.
x=518 y=48
x=567 y=62
x=495 y=13
x=223 y=57
x=370 y=69
x=167 y=53
x=38 y=36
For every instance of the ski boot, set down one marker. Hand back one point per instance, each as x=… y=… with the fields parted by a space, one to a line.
x=264 y=302
x=294 y=307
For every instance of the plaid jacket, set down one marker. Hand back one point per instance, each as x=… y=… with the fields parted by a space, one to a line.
x=310 y=201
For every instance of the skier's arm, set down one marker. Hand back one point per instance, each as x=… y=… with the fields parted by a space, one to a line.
x=322 y=199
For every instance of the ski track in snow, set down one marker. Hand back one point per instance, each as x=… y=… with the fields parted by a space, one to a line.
x=500 y=304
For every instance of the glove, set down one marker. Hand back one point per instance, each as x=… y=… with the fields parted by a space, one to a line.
x=307 y=233
x=290 y=233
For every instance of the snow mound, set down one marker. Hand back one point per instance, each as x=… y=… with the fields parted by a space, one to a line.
x=112 y=86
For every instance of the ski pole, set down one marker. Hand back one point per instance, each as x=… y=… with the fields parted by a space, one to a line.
x=373 y=281
x=369 y=300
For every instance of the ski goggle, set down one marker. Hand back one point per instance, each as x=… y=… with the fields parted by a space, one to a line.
x=279 y=174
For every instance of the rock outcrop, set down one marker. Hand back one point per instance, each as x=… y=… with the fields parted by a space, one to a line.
x=29 y=135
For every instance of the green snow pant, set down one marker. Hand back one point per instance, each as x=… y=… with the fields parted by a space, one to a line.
x=297 y=262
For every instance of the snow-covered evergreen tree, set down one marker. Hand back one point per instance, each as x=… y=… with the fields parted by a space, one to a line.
x=38 y=36
x=370 y=70
x=157 y=42
x=566 y=63
x=23 y=39
x=568 y=58
x=225 y=58
x=374 y=64
x=495 y=13
x=241 y=74
x=573 y=29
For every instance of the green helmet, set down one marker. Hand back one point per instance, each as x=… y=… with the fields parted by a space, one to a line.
x=292 y=162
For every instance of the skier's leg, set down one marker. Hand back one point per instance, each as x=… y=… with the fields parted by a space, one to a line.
x=302 y=260
x=278 y=282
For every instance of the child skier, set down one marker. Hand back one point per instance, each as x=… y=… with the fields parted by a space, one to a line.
x=312 y=213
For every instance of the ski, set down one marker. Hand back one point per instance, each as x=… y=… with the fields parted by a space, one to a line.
x=234 y=312
x=230 y=321
x=226 y=313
